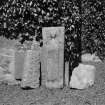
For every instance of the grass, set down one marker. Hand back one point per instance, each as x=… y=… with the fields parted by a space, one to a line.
x=14 y=95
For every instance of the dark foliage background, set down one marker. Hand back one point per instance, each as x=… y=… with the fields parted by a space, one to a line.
x=93 y=27
x=20 y=18
x=83 y=21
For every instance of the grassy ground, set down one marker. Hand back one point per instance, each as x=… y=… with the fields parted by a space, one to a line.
x=14 y=95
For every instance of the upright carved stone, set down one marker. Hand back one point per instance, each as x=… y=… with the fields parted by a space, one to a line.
x=20 y=57
x=52 y=64
x=7 y=59
x=7 y=65
x=31 y=73
x=19 y=63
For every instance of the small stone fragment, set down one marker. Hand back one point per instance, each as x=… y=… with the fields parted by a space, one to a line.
x=83 y=76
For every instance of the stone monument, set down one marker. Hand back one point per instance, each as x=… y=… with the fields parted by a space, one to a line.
x=7 y=60
x=52 y=60
x=83 y=76
x=31 y=71
x=7 y=65
x=19 y=63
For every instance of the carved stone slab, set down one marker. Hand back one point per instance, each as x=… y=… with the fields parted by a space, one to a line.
x=31 y=72
x=52 y=64
x=7 y=64
x=19 y=63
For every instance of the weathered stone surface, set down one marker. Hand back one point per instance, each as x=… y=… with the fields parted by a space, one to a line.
x=67 y=73
x=7 y=64
x=83 y=76
x=90 y=57
x=52 y=64
x=19 y=63
x=20 y=54
x=31 y=73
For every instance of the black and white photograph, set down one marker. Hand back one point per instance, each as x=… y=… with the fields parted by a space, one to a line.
x=52 y=52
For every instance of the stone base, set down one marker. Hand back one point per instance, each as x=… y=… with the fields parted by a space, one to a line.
x=19 y=63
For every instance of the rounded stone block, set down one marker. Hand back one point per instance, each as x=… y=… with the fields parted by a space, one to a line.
x=83 y=76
